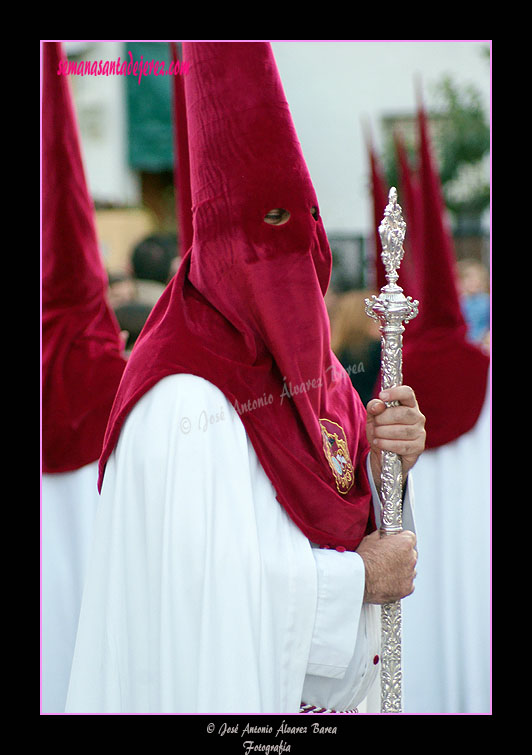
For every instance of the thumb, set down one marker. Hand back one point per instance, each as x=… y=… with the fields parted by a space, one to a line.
x=375 y=407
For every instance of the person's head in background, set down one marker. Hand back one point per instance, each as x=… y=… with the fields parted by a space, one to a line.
x=473 y=277
x=351 y=328
x=154 y=258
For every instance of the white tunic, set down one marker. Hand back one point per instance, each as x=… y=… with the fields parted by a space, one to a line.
x=446 y=622
x=202 y=595
x=68 y=506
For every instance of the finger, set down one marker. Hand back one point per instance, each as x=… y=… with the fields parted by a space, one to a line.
x=402 y=448
x=399 y=415
x=402 y=393
x=409 y=535
x=397 y=432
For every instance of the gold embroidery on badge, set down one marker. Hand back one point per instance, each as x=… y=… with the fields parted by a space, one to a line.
x=337 y=454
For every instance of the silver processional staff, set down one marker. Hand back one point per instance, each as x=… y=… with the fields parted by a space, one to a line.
x=391 y=309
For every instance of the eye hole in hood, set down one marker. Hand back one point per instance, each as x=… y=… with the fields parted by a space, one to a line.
x=278 y=216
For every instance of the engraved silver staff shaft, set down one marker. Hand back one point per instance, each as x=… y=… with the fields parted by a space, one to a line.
x=391 y=309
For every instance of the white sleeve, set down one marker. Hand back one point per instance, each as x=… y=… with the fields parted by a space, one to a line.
x=345 y=643
x=344 y=659
x=341 y=581
x=340 y=594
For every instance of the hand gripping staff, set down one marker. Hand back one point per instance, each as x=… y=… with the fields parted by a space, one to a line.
x=391 y=308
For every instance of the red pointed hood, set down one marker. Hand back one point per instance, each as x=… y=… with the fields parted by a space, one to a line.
x=410 y=271
x=447 y=372
x=380 y=200
x=245 y=310
x=81 y=358
x=442 y=307
x=181 y=161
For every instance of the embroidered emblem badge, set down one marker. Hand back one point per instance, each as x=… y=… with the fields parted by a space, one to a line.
x=337 y=454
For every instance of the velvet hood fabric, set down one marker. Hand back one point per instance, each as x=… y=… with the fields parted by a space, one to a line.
x=245 y=310
x=81 y=351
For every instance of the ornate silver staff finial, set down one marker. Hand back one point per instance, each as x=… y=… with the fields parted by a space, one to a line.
x=391 y=309
x=392 y=231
